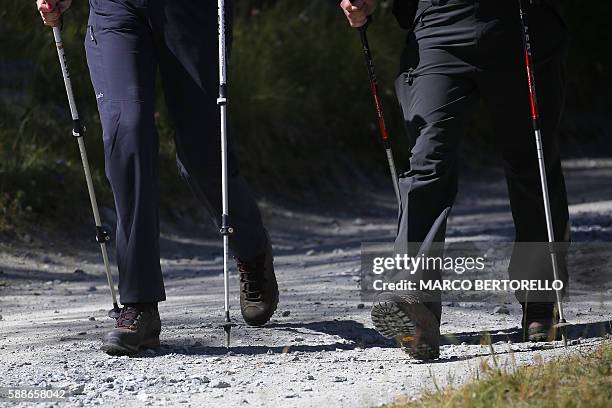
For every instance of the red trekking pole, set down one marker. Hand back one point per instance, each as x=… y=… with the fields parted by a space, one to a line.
x=378 y=102
x=535 y=115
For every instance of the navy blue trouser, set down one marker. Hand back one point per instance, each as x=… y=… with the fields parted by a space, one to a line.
x=459 y=52
x=126 y=43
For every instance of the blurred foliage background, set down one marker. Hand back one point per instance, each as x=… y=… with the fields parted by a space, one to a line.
x=301 y=110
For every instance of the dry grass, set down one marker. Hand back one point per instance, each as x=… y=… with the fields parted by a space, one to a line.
x=583 y=380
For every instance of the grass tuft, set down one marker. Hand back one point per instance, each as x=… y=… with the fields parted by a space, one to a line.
x=582 y=380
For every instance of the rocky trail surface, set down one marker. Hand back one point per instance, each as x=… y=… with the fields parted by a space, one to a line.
x=318 y=350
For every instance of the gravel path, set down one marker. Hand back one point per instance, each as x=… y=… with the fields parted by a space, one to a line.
x=318 y=350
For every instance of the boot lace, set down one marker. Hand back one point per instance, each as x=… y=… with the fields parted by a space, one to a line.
x=252 y=278
x=128 y=317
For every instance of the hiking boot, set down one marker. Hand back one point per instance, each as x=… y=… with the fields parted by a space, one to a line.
x=406 y=319
x=539 y=321
x=258 y=288
x=137 y=328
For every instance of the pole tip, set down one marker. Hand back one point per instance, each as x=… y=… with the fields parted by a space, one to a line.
x=227 y=330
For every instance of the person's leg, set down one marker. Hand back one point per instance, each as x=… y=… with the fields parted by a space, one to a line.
x=121 y=60
x=186 y=35
x=435 y=109
x=506 y=94
x=122 y=64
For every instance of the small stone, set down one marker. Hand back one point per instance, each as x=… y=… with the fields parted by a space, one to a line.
x=219 y=384
x=92 y=318
x=339 y=379
x=501 y=310
x=79 y=272
x=286 y=313
x=298 y=338
x=360 y=306
x=310 y=252
x=310 y=377
x=92 y=289
x=78 y=389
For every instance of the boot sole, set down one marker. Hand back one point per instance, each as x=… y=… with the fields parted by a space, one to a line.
x=393 y=323
x=546 y=334
x=118 y=349
x=259 y=323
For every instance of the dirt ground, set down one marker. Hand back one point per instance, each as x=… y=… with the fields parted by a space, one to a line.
x=319 y=348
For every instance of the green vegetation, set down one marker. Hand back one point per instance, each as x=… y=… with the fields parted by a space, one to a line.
x=583 y=380
x=301 y=112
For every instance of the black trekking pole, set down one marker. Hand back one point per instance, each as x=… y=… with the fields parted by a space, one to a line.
x=535 y=115
x=382 y=127
x=78 y=131
x=225 y=229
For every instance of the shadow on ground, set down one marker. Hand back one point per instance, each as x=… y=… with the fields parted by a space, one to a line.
x=353 y=334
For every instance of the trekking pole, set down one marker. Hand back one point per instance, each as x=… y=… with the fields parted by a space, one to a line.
x=78 y=131
x=225 y=229
x=535 y=115
x=382 y=127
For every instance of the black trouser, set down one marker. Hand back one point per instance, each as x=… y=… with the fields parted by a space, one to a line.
x=127 y=41
x=461 y=51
